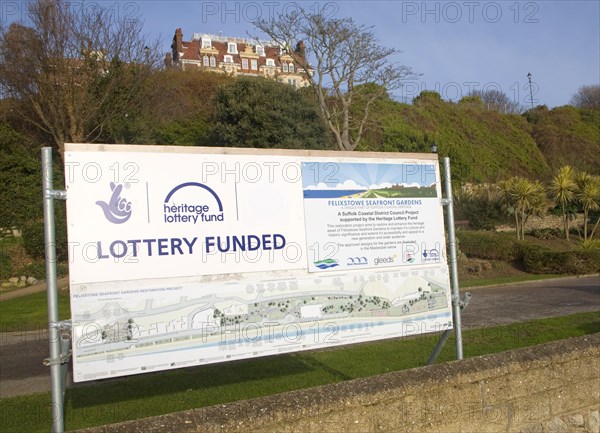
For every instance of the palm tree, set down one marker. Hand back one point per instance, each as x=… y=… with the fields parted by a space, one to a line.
x=524 y=198
x=588 y=196
x=505 y=188
x=562 y=190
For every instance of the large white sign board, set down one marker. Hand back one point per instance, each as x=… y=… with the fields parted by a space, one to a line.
x=186 y=256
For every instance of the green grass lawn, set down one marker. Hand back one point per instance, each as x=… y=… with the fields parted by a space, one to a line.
x=31 y=312
x=141 y=396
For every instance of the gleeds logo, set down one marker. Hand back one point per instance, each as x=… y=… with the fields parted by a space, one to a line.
x=384 y=260
x=196 y=203
x=117 y=210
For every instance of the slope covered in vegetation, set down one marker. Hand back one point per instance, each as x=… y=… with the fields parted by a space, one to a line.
x=486 y=145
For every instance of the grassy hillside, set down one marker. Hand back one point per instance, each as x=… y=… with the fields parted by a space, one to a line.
x=568 y=135
x=486 y=145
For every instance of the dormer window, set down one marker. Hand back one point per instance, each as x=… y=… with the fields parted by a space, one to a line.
x=291 y=68
x=206 y=43
x=205 y=60
x=285 y=67
x=232 y=48
x=260 y=50
x=213 y=62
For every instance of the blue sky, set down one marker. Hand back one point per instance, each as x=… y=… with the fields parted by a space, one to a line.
x=457 y=46
x=355 y=176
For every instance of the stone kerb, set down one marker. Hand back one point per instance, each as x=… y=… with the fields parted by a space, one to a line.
x=554 y=387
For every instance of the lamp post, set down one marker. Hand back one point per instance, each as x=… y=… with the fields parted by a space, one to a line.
x=433 y=147
x=530 y=91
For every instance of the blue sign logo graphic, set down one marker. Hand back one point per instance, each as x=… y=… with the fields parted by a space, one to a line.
x=117 y=210
x=357 y=261
x=326 y=264
x=195 y=211
x=431 y=256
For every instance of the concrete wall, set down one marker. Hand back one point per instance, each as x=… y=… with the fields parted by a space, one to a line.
x=549 y=388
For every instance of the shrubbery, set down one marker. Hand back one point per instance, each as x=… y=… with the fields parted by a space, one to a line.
x=540 y=260
x=536 y=259
x=5 y=266
x=489 y=246
x=34 y=241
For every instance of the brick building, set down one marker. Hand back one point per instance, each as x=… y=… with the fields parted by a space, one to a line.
x=238 y=56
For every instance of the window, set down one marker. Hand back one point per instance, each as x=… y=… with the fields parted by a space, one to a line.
x=260 y=50
x=228 y=59
x=232 y=48
x=205 y=60
x=254 y=64
x=291 y=68
x=244 y=63
x=206 y=43
x=270 y=62
x=285 y=67
x=213 y=62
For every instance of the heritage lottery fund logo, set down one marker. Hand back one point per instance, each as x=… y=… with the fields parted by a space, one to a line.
x=200 y=204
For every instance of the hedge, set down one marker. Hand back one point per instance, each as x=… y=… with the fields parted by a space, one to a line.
x=489 y=246
x=540 y=260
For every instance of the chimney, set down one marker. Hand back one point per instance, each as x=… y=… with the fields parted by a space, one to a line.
x=301 y=50
x=177 y=45
x=168 y=61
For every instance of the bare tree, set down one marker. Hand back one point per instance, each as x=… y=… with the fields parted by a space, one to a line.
x=350 y=71
x=73 y=69
x=587 y=97
x=494 y=99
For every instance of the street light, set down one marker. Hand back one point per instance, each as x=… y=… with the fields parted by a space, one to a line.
x=530 y=91
x=433 y=147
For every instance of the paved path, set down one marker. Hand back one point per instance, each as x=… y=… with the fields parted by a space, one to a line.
x=21 y=354
x=527 y=301
x=30 y=290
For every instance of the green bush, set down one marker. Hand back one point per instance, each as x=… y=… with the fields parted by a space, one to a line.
x=489 y=246
x=547 y=233
x=5 y=266
x=540 y=260
x=481 y=212
x=37 y=269
x=34 y=241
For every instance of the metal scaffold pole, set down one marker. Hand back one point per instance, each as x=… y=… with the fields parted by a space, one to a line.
x=452 y=258
x=54 y=334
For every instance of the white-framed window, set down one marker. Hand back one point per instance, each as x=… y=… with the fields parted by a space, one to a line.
x=244 y=63
x=270 y=62
x=232 y=48
x=285 y=67
x=254 y=64
x=291 y=68
x=205 y=60
x=213 y=62
x=206 y=43
x=260 y=50
x=228 y=59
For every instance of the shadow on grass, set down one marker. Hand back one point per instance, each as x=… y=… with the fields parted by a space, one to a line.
x=201 y=378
